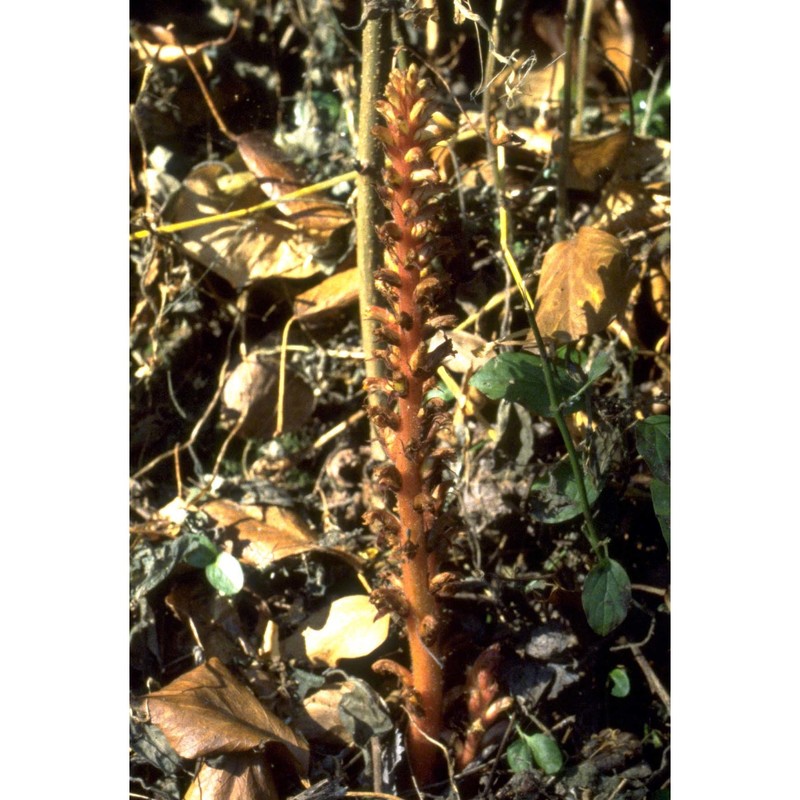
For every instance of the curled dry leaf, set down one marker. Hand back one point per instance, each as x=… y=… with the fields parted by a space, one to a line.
x=238 y=776
x=266 y=534
x=470 y=351
x=333 y=294
x=207 y=712
x=323 y=722
x=346 y=629
x=278 y=176
x=214 y=618
x=238 y=250
x=252 y=391
x=344 y=713
x=585 y=283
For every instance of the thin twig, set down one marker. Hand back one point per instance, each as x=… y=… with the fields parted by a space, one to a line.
x=223 y=375
x=650 y=676
x=174 y=227
x=506 y=734
x=282 y=376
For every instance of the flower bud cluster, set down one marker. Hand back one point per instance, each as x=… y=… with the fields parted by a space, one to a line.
x=408 y=426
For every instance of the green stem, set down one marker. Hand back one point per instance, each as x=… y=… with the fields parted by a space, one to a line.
x=600 y=549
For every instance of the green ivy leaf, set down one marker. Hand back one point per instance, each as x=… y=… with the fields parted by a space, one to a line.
x=652 y=442
x=545 y=751
x=659 y=491
x=225 y=574
x=518 y=378
x=519 y=756
x=201 y=551
x=606 y=596
x=620 y=682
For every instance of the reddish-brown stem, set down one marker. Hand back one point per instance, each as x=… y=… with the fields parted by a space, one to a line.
x=408 y=432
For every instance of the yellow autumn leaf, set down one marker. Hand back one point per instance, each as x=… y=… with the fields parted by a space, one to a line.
x=584 y=285
x=350 y=631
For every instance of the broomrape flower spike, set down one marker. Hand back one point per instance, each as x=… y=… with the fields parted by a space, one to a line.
x=412 y=526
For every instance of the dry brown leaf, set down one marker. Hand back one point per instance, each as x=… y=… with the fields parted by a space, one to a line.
x=238 y=250
x=213 y=617
x=644 y=153
x=584 y=284
x=239 y=776
x=267 y=534
x=252 y=391
x=278 y=176
x=323 y=722
x=470 y=351
x=592 y=159
x=616 y=37
x=208 y=712
x=346 y=629
x=335 y=293
x=631 y=205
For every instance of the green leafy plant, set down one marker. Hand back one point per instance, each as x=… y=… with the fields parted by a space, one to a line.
x=653 y=444
x=619 y=682
x=658 y=114
x=222 y=570
x=535 y=751
x=568 y=490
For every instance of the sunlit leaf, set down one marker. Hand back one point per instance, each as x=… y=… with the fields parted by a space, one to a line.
x=208 y=712
x=225 y=574
x=263 y=535
x=338 y=292
x=349 y=631
x=585 y=283
x=518 y=378
x=238 y=250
